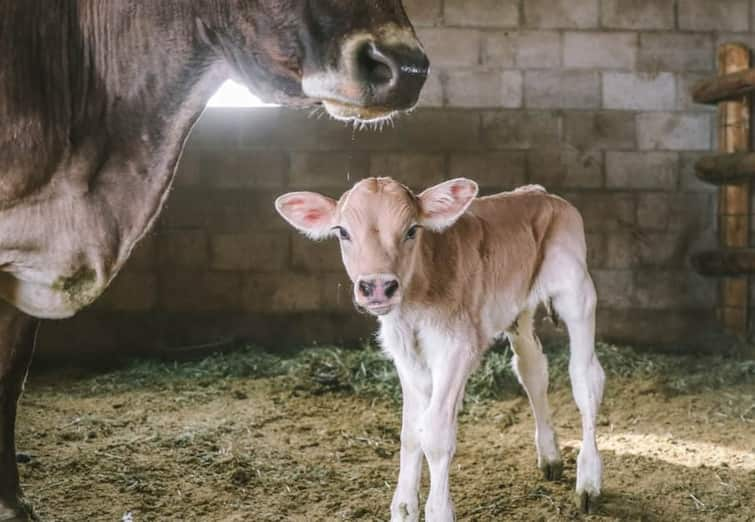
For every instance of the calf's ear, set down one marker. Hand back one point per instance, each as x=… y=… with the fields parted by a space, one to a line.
x=308 y=212
x=443 y=204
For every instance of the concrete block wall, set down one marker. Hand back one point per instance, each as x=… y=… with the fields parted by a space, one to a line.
x=587 y=97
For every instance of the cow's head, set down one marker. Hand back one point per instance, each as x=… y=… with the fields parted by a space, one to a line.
x=380 y=225
x=359 y=58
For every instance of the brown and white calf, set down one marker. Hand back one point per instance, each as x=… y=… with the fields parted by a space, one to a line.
x=446 y=273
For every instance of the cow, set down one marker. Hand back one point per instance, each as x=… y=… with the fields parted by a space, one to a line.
x=97 y=99
x=446 y=273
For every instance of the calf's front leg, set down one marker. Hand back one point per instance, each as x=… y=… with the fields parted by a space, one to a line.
x=438 y=428
x=405 y=504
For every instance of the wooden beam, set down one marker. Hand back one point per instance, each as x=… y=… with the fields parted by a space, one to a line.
x=717 y=263
x=726 y=169
x=729 y=87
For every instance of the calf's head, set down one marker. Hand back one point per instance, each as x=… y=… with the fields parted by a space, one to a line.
x=359 y=58
x=380 y=225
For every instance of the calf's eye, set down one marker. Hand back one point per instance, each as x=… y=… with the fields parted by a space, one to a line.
x=411 y=233
x=343 y=234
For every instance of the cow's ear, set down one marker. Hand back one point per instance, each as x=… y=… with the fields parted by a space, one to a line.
x=443 y=204
x=308 y=212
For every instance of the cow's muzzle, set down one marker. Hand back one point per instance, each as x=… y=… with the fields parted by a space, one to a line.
x=375 y=78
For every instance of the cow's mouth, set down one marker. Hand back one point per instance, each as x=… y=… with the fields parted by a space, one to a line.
x=354 y=113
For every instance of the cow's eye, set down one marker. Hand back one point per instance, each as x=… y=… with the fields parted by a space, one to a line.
x=411 y=233
x=343 y=234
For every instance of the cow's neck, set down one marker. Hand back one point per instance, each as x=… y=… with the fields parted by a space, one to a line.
x=154 y=90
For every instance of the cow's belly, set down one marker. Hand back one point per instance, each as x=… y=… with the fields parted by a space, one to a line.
x=58 y=255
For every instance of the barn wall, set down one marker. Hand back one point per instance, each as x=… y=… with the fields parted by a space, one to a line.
x=587 y=97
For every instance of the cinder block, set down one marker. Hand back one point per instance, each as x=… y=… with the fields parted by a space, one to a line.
x=565 y=167
x=674 y=131
x=188 y=172
x=243 y=168
x=413 y=169
x=677 y=52
x=484 y=89
x=337 y=293
x=424 y=13
x=251 y=251
x=499 y=48
x=230 y=128
x=621 y=249
x=438 y=131
x=132 y=292
x=481 y=13
x=451 y=47
x=144 y=255
x=432 y=91
x=520 y=129
x=615 y=288
x=564 y=89
x=600 y=50
x=604 y=211
x=326 y=170
x=587 y=130
x=495 y=170
x=289 y=292
x=202 y=291
x=567 y=14
x=300 y=130
x=596 y=250
x=661 y=211
x=659 y=289
x=685 y=82
x=637 y=14
x=707 y=15
x=221 y=210
x=642 y=170
x=315 y=257
x=539 y=50
x=182 y=248
x=662 y=249
x=638 y=91
x=689 y=180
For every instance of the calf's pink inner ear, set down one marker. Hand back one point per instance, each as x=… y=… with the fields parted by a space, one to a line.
x=444 y=203
x=309 y=212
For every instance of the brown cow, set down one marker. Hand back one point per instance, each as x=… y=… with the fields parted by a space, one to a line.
x=96 y=101
x=446 y=273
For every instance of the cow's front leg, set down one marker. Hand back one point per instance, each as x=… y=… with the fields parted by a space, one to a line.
x=17 y=336
x=438 y=428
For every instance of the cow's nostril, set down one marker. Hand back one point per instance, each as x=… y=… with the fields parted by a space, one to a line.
x=390 y=288
x=366 y=288
x=376 y=67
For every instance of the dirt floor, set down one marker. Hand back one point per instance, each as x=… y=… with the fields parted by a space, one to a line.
x=255 y=437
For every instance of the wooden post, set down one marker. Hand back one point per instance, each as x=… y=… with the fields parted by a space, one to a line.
x=734 y=200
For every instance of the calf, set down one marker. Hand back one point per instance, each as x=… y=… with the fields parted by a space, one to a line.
x=446 y=273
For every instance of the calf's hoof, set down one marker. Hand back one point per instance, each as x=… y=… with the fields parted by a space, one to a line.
x=552 y=470
x=588 y=502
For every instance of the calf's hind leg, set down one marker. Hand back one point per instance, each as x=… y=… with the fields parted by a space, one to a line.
x=577 y=309
x=531 y=367
x=17 y=337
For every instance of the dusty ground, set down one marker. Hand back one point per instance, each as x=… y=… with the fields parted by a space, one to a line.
x=226 y=439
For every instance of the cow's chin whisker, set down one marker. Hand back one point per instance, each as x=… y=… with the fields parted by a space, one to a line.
x=361 y=118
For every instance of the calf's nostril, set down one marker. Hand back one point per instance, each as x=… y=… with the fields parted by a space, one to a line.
x=390 y=288
x=366 y=288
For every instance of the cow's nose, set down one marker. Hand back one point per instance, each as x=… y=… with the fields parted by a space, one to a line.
x=378 y=288
x=392 y=74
